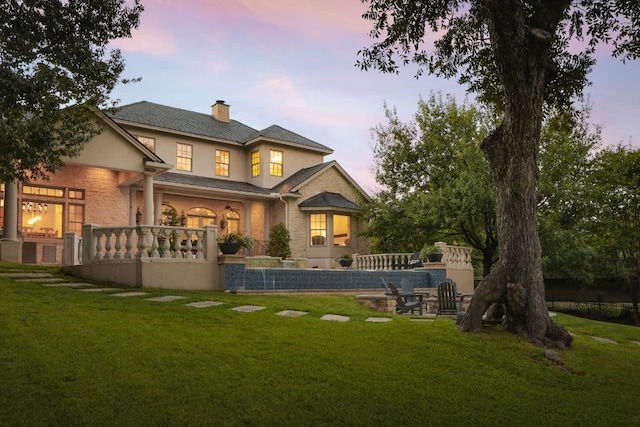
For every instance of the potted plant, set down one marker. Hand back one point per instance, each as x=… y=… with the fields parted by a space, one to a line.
x=231 y=243
x=344 y=260
x=432 y=253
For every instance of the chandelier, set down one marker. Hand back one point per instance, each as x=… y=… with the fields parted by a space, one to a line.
x=34 y=208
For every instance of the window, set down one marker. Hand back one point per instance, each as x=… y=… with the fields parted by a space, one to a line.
x=76 y=194
x=222 y=163
x=41 y=219
x=199 y=217
x=185 y=154
x=318 y=227
x=76 y=218
x=255 y=163
x=341 y=230
x=233 y=222
x=275 y=162
x=150 y=143
x=43 y=191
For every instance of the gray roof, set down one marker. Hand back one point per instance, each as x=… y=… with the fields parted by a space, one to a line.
x=329 y=200
x=213 y=183
x=162 y=116
x=298 y=178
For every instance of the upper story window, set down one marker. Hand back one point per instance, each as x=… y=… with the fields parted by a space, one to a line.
x=150 y=143
x=275 y=162
x=76 y=194
x=184 y=157
x=318 y=228
x=222 y=163
x=255 y=163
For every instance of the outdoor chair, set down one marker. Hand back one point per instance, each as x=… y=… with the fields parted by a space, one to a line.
x=448 y=299
x=403 y=303
x=408 y=289
x=415 y=261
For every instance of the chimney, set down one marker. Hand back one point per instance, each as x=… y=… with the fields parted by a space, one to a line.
x=220 y=111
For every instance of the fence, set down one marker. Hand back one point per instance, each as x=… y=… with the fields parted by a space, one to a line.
x=593 y=309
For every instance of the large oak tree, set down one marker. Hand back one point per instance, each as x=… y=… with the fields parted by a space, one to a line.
x=55 y=68
x=518 y=56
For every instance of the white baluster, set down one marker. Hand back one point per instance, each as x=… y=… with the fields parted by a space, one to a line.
x=154 y=244
x=99 y=254
x=107 y=246
x=199 y=247
x=127 y=243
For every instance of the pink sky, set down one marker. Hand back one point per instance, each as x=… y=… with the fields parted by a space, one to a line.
x=291 y=63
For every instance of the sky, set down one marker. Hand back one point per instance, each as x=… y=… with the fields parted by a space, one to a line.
x=292 y=63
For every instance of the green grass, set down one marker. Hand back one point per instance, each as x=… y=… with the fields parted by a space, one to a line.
x=76 y=358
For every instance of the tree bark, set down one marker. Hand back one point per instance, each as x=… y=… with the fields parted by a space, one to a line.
x=512 y=151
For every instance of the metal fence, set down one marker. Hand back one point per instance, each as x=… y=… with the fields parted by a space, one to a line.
x=593 y=309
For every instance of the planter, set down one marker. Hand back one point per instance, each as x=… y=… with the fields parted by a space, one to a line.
x=346 y=262
x=434 y=257
x=229 y=248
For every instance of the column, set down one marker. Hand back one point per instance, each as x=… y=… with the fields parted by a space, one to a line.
x=132 y=206
x=10 y=228
x=157 y=203
x=147 y=218
x=247 y=218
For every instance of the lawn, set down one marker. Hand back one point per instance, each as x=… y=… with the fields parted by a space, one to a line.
x=69 y=357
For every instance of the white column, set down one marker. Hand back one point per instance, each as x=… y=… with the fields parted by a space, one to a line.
x=10 y=228
x=147 y=218
x=132 y=207
x=157 y=203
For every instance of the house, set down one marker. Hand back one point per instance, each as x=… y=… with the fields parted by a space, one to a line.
x=153 y=164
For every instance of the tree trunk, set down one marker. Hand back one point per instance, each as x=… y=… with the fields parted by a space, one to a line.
x=512 y=150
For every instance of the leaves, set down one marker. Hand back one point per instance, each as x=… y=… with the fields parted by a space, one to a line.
x=54 y=70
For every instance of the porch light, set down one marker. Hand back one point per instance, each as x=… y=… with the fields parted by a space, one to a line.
x=183 y=219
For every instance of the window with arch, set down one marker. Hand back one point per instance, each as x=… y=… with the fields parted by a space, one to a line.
x=200 y=217
x=169 y=216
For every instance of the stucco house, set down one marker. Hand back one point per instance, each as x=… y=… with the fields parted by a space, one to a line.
x=152 y=160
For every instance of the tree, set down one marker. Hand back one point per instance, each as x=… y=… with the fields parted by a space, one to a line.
x=515 y=55
x=614 y=220
x=54 y=70
x=435 y=179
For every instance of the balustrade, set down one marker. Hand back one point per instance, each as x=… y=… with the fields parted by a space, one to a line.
x=458 y=257
x=111 y=243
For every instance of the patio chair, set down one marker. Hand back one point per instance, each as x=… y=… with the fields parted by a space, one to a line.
x=408 y=289
x=448 y=299
x=403 y=303
x=415 y=261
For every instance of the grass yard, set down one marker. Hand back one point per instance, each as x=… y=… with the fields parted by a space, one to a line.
x=69 y=357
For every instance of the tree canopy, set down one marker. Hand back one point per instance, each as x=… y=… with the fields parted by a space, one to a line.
x=519 y=57
x=55 y=68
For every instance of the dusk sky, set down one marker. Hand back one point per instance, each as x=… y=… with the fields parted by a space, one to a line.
x=291 y=63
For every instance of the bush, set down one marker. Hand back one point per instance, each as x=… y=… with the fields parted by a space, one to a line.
x=279 y=239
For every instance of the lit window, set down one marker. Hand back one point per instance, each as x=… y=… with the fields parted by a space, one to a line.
x=275 y=162
x=200 y=217
x=76 y=194
x=233 y=222
x=185 y=154
x=341 y=230
x=41 y=219
x=222 y=163
x=43 y=191
x=150 y=143
x=255 y=163
x=76 y=218
x=318 y=227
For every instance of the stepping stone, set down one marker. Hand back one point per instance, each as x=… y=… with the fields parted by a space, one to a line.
x=421 y=320
x=41 y=280
x=636 y=342
x=26 y=274
x=100 y=289
x=129 y=294
x=66 y=285
x=604 y=340
x=166 y=298
x=335 y=318
x=379 y=319
x=204 y=304
x=552 y=314
x=248 y=308
x=292 y=313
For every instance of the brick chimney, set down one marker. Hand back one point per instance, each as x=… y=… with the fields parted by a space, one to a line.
x=220 y=111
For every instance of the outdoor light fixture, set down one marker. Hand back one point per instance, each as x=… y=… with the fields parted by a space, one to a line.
x=223 y=223
x=183 y=219
x=34 y=208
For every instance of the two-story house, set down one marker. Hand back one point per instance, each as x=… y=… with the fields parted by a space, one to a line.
x=152 y=160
